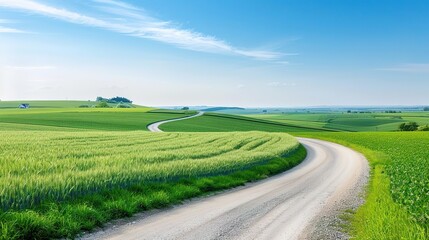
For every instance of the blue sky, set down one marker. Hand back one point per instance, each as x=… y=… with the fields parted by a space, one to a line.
x=223 y=52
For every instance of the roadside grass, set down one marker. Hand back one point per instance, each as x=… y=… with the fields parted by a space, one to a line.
x=386 y=215
x=69 y=218
x=214 y=122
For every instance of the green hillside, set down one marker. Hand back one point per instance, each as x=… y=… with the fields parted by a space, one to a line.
x=48 y=104
x=59 y=115
x=214 y=122
x=354 y=122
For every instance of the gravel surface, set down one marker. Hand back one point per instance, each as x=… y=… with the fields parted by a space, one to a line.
x=303 y=202
x=330 y=222
x=154 y=127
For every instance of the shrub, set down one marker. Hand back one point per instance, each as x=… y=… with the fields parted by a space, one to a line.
x=84 y=106
x=424 y=128
x=102 y=105
x=122 y=106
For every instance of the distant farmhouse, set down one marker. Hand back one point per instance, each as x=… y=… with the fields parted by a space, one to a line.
x=24 y=106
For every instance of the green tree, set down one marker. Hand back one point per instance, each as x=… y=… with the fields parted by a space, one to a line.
x=426 y=109
x=409 y=126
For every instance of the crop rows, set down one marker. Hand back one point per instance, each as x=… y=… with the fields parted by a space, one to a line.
x=407 y=167
x=54 y=166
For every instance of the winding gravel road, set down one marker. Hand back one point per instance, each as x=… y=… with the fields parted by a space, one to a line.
x=154 y=127
x=280 y=207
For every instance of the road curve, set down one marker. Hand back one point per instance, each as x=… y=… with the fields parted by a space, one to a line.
x=154 y=127
x=280 y=207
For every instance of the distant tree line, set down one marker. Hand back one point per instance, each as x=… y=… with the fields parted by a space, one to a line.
x=114 y=100
x=350 y=111
x=392 y=111
x=387 y=111
x=426 y=109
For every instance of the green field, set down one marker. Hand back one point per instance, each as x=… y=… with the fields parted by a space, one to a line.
x=397 y=205
x=53 y=104
x=57 y=165
x=67 y=169
x=69 y=182
x=112 y=119
x=353 y=122
x=213 y=122
x=86 y=166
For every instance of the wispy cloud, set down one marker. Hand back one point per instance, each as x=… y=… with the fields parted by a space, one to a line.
x=281 y=84
x=117 y=4
x=5 y=21
x=139 y=24
x=29 y=68
x=10 y=30
x=410 y=68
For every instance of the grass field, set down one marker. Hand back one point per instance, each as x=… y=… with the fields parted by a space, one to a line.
x=112 y=119
x=397 y=205
x=353 y=122
x=57 y=202
x=213 y=122
x=55 y=184
x=51 y=104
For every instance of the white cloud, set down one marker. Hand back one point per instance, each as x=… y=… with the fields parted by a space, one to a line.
x=139 y=24
x=117 y=4
x=10 y=30
x=410 y=68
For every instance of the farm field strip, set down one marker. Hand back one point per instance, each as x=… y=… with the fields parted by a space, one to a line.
x=62 y=165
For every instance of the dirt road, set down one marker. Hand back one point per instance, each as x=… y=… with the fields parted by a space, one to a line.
x=154 y=127
x=280 y=207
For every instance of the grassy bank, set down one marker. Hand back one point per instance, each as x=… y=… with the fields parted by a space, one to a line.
x=397 y=198
x=104 y=182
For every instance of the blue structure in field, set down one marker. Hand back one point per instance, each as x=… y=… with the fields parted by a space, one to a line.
x=24 y=106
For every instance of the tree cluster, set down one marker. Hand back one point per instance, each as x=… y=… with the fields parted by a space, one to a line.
x=409 y=126
x=116 y=99
x=426 y=109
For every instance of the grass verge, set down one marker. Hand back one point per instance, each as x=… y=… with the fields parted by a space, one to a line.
x=379 y=217
x=69 y=219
